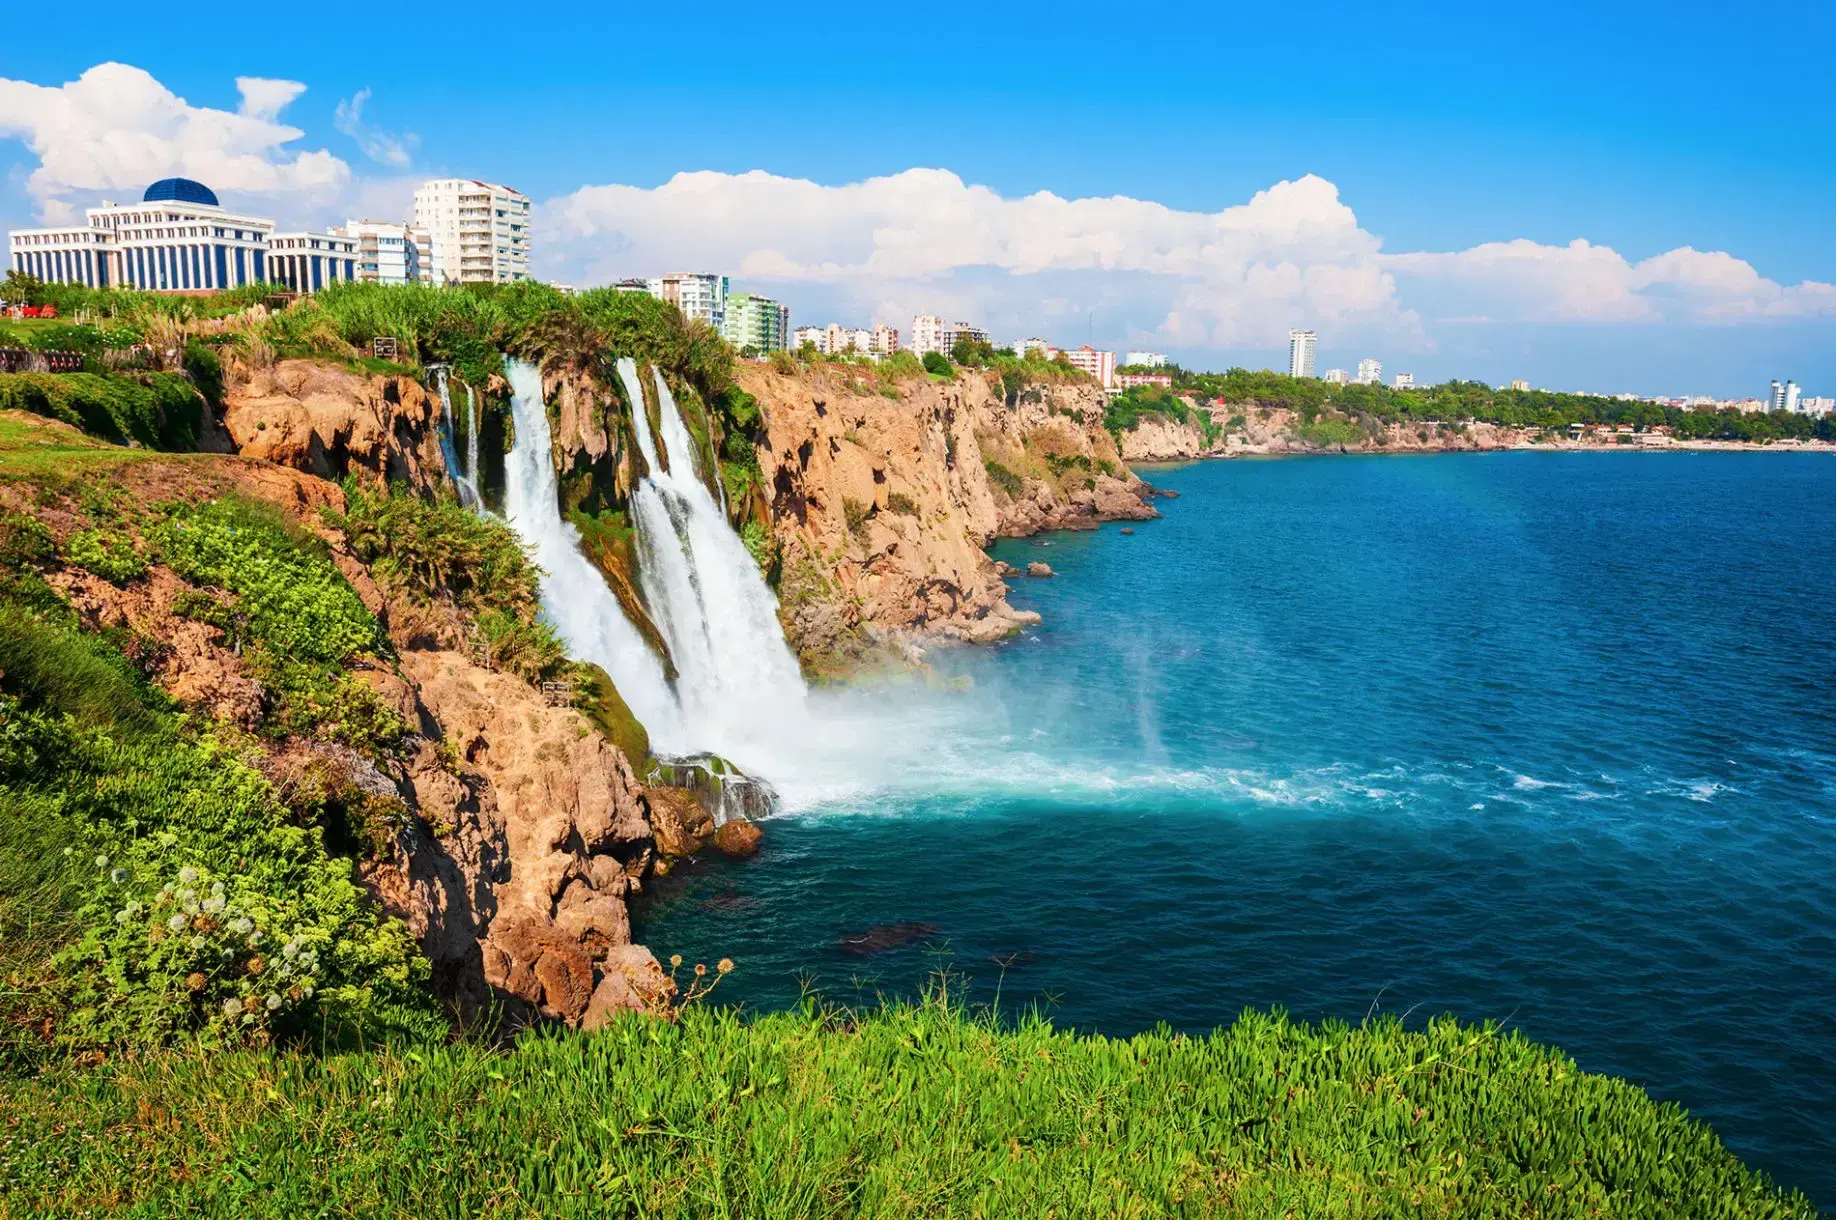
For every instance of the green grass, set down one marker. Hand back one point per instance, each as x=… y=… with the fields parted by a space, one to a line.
x=905 y=1111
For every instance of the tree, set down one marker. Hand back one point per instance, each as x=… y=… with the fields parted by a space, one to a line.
x=936 y=362
x=23 y=289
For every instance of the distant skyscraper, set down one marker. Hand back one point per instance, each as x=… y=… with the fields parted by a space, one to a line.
x=1791 y=396
x=1335 y=376
x=1300 y=353
x=1147 y=360
x=1778 y=396
x=1370 y=371
x=1520 y=384
x=478 y=232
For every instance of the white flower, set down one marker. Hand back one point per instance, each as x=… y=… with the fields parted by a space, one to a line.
x=118 y=875
x=216 y=887
x=123 y=915
x=273 y=1001
x=290 y=950
x=232 y=1008
x=187 y=896
x=197 y=942
x=168 y=839
x=306 y=989
x=213 y=905
x=187 y=875
x=255 y=938
x=242 y=925
x=101 y=861
x=176 y=923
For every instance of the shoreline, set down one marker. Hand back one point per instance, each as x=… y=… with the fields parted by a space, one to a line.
x=1254 y=452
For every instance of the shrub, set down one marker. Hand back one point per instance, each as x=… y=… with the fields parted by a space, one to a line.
x=1003 y=478
x=856 y=514
x=111 y=557
x=899 y=502
x=764 y=550
x=938 y=365
x=527 y=647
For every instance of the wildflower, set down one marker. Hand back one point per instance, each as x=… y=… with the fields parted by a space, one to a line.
x=290 y=950
x=176 y=923
x=255 y=938
x=256 y=965
x=242 y=925
x=101 y=861
x=197 y=942
x=118 y=875
x=700 y=969
x=187 y=875
x=273 y=1001
x=123 y=915
x=162 y=898
x=216 y=887
x=69 y=851
x=675 y=959
x=306 y=989
x=725 y=965
x=226 y=954
x=195 y=981
x=187 y=897
x=213 y=905
x=232 y=1008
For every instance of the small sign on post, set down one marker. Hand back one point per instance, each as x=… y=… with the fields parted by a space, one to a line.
x=382 y=347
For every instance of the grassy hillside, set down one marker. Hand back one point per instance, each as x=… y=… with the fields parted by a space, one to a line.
x=907 y=1111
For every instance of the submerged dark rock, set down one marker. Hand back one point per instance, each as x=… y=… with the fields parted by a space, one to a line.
x=886 y=936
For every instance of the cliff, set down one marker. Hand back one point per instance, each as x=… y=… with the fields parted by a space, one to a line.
x=881 y=500
x=505 y=831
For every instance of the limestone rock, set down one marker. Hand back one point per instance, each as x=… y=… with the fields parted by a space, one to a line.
x=1039 y=569
x=738 y=838
x=326 y=420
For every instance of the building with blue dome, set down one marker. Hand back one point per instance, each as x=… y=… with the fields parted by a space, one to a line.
x=180 y=238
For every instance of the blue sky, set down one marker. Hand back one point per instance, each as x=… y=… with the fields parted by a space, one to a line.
x=1443 y=130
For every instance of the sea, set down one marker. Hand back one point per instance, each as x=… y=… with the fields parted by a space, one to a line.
x=1545 y=739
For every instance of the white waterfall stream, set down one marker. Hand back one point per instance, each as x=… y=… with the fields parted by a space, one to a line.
x=464 y=481
x=575 y=596
x=741 y=691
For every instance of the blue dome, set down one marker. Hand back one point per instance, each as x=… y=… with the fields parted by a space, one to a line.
x=181 y=190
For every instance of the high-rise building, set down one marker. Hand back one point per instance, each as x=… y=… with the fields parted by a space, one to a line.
x=1146 y=360
x=1335 y=376
x=930 y=333
x=478 y=232
x=1520 y=384
x=1040 y=346
x=178 y=238
x=1405 y=381
x=885 y=338
x=756 y=323
x=701 y=296
x=1777 y=398
x=1785 y=397
x=1301 y=344
x=1370 y=371
x=1101 y=365
x=389 y=253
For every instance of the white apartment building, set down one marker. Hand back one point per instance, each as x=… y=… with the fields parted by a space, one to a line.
x=1785 y=397
x=1817 y=406
x=1031 y=345
x=178 y=238
x=927 y=334
x=1148 y=360
x=1520 y=384
x=389 y=253
x=816 y=335
x=478 y=232
x=1370 y=371
x=1335 y=377
x=1301 y=346
x=1405 y=381
x=885 y=338
x=701 y=296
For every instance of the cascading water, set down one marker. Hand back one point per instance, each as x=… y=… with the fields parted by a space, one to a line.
x=574 y=593
x=740 y=688
x=473 y=477
x=464 y=481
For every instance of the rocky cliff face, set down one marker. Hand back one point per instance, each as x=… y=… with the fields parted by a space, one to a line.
x=1250 y=431
x=1156 y=438
x=882 y=505
x=329 y=421
x=507 y=832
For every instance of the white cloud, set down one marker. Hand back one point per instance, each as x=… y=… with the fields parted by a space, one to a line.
x=1239 y=276
x=117 y=128
x=263 y=98
x=378 y=145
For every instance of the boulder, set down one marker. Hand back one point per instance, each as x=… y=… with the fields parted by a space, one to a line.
x=738 y=838
x=1038 y=569
x=678 y=822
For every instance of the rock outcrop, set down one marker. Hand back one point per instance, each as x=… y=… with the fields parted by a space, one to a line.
x=882 y=505
x=327 y=420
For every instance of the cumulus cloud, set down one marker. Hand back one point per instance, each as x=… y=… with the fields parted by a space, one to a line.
x=1294 y=254
x=117 y=128
x=378 y=145
x=1239 y=276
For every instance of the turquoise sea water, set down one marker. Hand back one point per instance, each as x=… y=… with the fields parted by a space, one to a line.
x=1543 y=738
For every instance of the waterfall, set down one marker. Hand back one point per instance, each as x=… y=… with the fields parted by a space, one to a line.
x=471 y=444
x=465 y=481
x=575 y=597
x=741 y=690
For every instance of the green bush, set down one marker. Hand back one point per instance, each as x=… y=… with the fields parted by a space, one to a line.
x=109 y=556
x=525 y=646
x=938 y=365
x=899 y=502
x=1004 y=478
x=764 y=549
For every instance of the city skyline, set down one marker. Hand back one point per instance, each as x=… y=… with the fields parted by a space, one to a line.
x=1534 y=237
